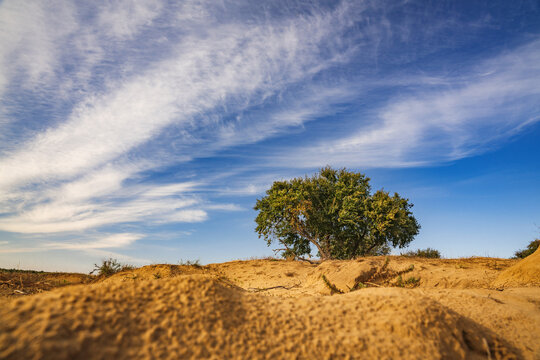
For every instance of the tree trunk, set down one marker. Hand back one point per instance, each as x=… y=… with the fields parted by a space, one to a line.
x=369 y=250
x=301 y=231
x=324 y=255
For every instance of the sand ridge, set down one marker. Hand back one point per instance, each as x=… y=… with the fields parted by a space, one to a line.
x=525 y=273
x=264 y=309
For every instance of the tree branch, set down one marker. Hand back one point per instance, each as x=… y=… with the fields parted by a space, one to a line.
x=370 y=248
x=272 y=287
x=277 y=250
x=304 y=259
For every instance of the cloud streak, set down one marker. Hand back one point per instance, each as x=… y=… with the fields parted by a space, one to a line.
x=232 y=66
x=95 y=248
x=466 y=116
x=72 y=175
x=111 y=241
x=84 y=205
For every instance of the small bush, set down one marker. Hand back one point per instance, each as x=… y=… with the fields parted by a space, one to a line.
x=532 y=247
x=425 y=253
x=410 y=282
x=194 y=263
x=110 y=267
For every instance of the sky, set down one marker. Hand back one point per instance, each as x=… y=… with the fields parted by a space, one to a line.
x=146 y=130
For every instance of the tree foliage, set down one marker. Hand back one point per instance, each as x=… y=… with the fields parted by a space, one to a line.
x=335 y=211
x=424 y=253
x=531 y=248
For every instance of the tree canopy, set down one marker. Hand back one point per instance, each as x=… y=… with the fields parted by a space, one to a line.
x=335 y=211
x=531 y=248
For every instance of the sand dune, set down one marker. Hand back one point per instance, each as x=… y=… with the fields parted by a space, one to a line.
x=524 y=273
x=264 y=309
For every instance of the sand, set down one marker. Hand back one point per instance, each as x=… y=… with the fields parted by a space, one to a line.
x=525 y=273
x=14 y=283
x=267 y=309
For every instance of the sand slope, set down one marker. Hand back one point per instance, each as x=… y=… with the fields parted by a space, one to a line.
x=266 y=309
x=524 y=273
x=304 y=278
x=196 y=316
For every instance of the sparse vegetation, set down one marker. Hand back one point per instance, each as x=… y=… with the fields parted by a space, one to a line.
x=195 y=263
x=21 y=271
x=110 y=267
x=270 y=258
x=531 y=248
x=357 y=286
x=409 y=282
x=333 y=288
x=377 y=278
x=424 y=253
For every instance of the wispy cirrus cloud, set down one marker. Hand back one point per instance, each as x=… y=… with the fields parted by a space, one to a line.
x=111 y=241
x=102 y=247
x=99 y=200
x=72 y=175
x=230 y=66
x=441 y=119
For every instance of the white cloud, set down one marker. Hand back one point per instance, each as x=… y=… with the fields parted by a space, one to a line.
x=232 y=62
x=30 y=53
x=100 y=199
x=61 y=217
x=111 y=241
x=28 y=37
x=73 y=176
x=124 y=19
x=171 y=189
x=190 y=216
x=95 y=184
x=96 y=248
x=309 y=104
x=499 y=98
x=224 y=207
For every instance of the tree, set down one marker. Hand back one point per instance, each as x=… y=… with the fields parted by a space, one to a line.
x=531 y=248
x=335 y=211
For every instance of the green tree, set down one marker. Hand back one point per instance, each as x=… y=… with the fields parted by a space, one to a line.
x=335 y=211
x=531 y=248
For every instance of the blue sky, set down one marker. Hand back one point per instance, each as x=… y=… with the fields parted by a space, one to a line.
x=146 y=131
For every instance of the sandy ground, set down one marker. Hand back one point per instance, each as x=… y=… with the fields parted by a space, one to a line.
x=372 y=308
x=15 y=283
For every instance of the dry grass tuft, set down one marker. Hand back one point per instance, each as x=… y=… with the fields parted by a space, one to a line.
x=110 y=267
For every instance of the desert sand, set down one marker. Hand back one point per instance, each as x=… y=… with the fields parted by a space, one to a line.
x=401 y=308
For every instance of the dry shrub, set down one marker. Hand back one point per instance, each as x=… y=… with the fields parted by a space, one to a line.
x=424 y=253
x=194 y=263
x=110 y=267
